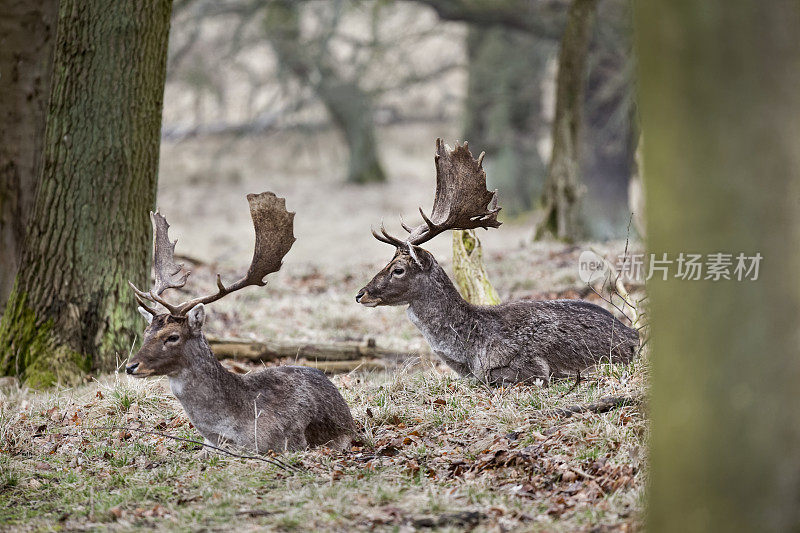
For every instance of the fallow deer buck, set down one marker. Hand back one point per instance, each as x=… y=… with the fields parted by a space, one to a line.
x=520 y=341
x=278 y=408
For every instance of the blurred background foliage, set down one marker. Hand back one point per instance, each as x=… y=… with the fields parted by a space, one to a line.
x=252 y=68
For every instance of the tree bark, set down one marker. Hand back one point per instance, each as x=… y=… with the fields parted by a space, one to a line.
x=720 y=111
x=27 y=32
x=503 y=110
x=563 y=188
x=70 y=310
x=349 y=106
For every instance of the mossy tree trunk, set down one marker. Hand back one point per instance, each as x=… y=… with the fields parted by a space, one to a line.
x=349 y=106
x=471 y=278
x=563 y=187
x=70 y=310
x=503 y=109
x=720 y=110
x=27 y=34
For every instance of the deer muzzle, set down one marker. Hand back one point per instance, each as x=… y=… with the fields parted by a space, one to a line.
x=365 y=299
x=136 y=370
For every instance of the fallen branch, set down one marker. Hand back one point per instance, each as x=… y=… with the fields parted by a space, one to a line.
x=340 y=367
x=272 y=350
x=273 y=461
x=607 y=403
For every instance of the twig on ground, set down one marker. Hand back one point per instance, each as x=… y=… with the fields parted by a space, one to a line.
x=575 y=385
x=607 y=403
x=275 y=462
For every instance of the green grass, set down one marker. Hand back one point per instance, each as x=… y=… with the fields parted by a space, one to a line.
x=428 y=450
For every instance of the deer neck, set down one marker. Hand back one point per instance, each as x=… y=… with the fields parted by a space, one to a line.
x=204 y=380
x=444 y=318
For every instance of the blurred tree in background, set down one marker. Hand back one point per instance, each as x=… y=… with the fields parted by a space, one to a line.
x=564 y=188
x=348 y=105
x=509 y=45
x=360 y=65
x=504 y=108
x=70 y=309
x=336 y=56
x=721 y=118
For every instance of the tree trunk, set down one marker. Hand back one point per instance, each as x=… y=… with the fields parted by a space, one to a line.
x=27 y=31
x=720 y=111
x=563 y=187
x=503 y=110
x=542 y=19
x=70 y=310
x=471 y=278
x=349 y=107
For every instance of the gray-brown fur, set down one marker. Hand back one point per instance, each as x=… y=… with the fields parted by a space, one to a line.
x=278 y=408
x=519 y=341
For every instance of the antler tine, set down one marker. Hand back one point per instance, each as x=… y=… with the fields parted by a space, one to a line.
x=137 y=292
x=274 y=227
x=390 y=237
x=174 y=310
x=145 y=306
x=462 y=201
x=431 y=226
x=386 y=237
x=151 y=296
x=405 y=226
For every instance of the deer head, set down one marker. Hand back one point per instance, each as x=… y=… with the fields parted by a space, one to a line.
x=461 y=202
x=169 y=334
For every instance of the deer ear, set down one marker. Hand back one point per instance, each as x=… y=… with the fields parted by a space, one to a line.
x=420 y=256
x=196 y=317
x=147 y=316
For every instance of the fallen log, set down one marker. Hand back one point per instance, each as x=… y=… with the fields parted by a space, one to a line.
x=272 y=350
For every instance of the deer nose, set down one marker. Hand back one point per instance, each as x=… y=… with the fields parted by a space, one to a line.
x=130 y=369
x=360 y=295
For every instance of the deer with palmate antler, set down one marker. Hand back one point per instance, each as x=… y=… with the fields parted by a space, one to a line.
x=278 y=408
x=520 y=341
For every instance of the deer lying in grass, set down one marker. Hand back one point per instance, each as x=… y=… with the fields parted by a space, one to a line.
x=278 y=408
x=521 y=341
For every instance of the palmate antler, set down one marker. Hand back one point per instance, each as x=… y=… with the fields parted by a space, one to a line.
x=274 y=237
x=461 y=202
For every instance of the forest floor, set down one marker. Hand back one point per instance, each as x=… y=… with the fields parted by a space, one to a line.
x=433 y=452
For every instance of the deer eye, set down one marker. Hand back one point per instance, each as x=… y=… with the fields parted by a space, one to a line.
x=173 y=338
x=398 y=271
